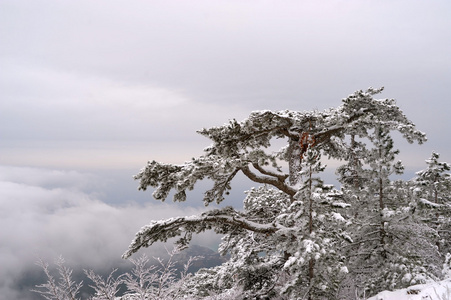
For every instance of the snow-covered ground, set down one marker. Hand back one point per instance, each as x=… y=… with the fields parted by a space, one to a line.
x=431 y=291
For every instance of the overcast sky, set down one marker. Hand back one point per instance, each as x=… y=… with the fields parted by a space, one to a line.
x=91 y=90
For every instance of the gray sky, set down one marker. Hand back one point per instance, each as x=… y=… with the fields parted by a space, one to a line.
x=91 y=90
x=111 y=84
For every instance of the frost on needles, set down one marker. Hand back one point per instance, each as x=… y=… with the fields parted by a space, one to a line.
x=297 y=237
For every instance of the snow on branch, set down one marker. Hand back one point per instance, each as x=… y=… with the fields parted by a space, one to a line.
x=167 y=177
x=221 y=220
x=268 y=180
x=239 y=145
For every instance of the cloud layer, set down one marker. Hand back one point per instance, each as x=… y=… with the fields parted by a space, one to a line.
x=47 y=213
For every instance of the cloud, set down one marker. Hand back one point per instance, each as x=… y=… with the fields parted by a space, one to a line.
x=45 y=178
x=235 y=51
x=85 y=83
x=67 y=106
x=43 y=216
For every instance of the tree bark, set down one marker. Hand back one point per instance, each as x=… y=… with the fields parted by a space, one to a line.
x=381 y=208
x=294 y=161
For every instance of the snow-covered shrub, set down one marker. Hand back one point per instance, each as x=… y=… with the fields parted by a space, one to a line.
x=143 y=282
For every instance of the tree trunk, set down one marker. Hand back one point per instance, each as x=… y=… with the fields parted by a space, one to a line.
x=311 y=274
x=310 y=213
x=381 y=208
x=353 y=159
x=294 y=162
x=311 y=271
x=294 y=165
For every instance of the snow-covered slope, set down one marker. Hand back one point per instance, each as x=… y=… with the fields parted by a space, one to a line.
x=431 y=291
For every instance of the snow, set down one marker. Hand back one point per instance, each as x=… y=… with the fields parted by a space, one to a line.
x=341 y=204
x=291 y=261
x=338 y=217
x=430 y=291
x=429 y=203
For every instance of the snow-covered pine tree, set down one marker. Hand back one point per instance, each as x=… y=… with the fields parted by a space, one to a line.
x=353 y=176
x=434 y=183
x=432 y=188
x=287 y=237
x=381 y=161
x=391 y=249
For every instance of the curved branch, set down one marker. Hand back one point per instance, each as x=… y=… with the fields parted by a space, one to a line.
x=268 y=180
x=222 y=220
x=280 y=177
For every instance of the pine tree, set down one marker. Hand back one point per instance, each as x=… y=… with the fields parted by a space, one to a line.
x=391 y=248
x=286 y=241
x=381 y=160
x=433 y=183
x=432 y=188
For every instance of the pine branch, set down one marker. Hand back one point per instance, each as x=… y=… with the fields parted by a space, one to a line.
x=268 y=180
x=280 y=177
x=221 y=220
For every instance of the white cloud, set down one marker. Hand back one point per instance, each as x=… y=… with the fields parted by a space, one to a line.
x=43 y=222
x=48 y=177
